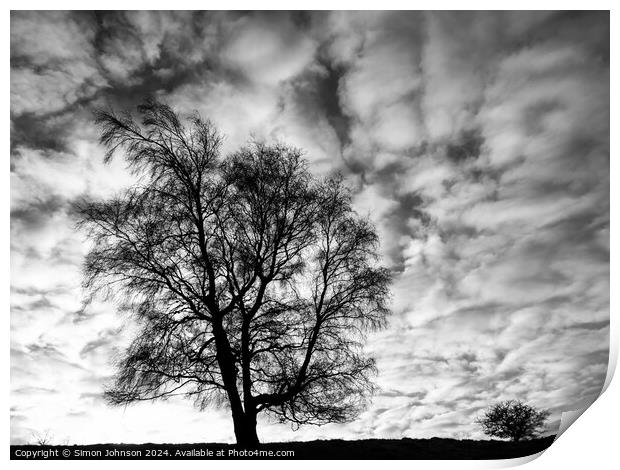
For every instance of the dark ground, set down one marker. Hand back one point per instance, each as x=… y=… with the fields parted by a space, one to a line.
x=419 y=449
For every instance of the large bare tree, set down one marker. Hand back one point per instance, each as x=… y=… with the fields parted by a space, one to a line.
x=253 y=282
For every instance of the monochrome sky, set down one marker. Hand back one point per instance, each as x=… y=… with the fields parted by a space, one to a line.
x=477 y=142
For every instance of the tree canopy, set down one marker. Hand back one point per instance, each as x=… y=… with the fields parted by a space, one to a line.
x=514 y=420
x=253 y=281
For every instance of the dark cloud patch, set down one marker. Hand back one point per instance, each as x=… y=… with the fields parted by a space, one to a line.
x=35 y=213
x=38 y=132
x=533 y=116
x=35 y=390
x=328 y=95
x=83 y=314
x=469 y=362
x=589 y=29
x=599 y=356
x=592 y=325
x=579 y=229
x=409 y=206
x=104 y=339
x=36 y=292
x=510 y=375
x=44 y=349
x=122 y=74
x=147 y=78
x=92 y=396
x=468 y=146
x=39 y=304
x=110 y=26
x=301 y=18
x=419 y=395
x=472 y=313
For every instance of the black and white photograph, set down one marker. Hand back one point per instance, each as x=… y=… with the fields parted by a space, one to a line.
x=306 y=234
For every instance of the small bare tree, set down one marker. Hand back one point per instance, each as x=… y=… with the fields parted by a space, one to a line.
x=44 y=438
x=513 y=420
x=253 y=281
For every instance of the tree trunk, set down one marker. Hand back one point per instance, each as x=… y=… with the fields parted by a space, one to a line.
x=244 y=421
x=245 y=430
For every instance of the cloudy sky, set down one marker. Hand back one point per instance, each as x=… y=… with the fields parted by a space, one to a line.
x=477 y=142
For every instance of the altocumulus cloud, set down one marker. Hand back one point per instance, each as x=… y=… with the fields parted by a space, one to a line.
x=477 y=142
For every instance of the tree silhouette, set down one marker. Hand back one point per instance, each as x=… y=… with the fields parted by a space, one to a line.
x=42 y=438
x=513 y=419
x=253 y=281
